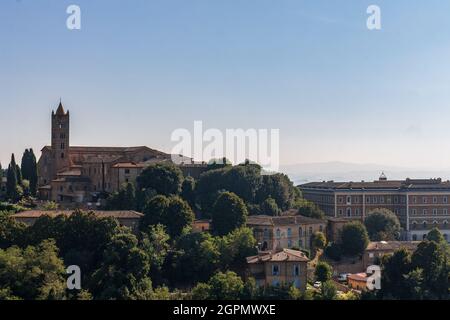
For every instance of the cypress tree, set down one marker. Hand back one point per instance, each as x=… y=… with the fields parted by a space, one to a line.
x=33 y=173
x=25 y=166
x=11 y=184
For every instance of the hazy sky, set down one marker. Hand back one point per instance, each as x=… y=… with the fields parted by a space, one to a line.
x=137 y=70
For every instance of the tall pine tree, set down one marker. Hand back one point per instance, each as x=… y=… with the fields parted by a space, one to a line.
x=29 y=170
x=11 y=184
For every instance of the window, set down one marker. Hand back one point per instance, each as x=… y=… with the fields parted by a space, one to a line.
x=395 y=199
x=300 y=243
x=289 y=232
x=278 y=233
x=414 y=199
x=414 y=225
x=424 y=224
x=349 y=199
x=349 y=212
x=368 y=199
x=445 y=200
x=340 y=212
x=320 y=228
x=289 y=243
x=63 y=145
x=62 y=155
x=435 y=200
x=357 y=211
x=266 y=234
x=275 y=270
x=424 y=199
x=413 y=211
x=127 y=171
x=381 y=199
x=300 y=231
x=310 y=231
x=424 y=212
x=435 y=212
x=296 y=270
x=445 y=211
x=375 y=199
x=414 y=237
x=340 y=199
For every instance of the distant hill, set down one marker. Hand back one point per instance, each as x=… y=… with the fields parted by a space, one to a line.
x=345 y=171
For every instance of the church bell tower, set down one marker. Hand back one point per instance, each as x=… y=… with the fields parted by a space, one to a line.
x=60 y=138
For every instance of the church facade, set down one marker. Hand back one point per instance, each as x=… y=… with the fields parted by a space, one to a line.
x=81 y=174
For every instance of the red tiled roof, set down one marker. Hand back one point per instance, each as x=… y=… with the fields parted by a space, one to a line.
x=282 y=255
x=124 y=214
x=358 y=276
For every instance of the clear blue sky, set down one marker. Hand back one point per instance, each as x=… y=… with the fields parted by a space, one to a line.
x=140 y=69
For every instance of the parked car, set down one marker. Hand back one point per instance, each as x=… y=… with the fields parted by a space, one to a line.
x=317 y=284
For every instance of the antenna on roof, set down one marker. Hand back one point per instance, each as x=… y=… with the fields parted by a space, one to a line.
x=383 y=177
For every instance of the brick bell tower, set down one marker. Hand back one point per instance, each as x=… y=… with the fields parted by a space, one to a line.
x=60 y=139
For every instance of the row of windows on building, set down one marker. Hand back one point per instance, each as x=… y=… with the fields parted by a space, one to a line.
x=357 y=212
x=424 y=224
x=295 y=270
x=301 y=232
x=395 y=199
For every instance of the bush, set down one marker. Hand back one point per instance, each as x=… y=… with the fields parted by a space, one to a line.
x=333 y=251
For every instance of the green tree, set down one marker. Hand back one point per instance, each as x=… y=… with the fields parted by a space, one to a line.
x=165 y=179
x=188 y=191
x=11 y=231
x=269 y=207
x=309 y=209
x=430 y=257
x=124 y=199
x=178 y=216
x=155 y=242
x=229 y=213
x=172 y=212
x=323 y=271
x=29 y=170
x=328 y=290
x=33 y=273
x=123 y=274
x=354 y=238
x=195 y=258
x=12 y=181
x=225 y=286
x=382 y=224
x=319 y=240
x=395 y=267
x=236 y=247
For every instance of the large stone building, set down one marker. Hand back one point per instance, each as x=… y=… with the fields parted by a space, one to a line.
x=286 y=231
x=281 y=267
x=80 y=174
x=420 y=204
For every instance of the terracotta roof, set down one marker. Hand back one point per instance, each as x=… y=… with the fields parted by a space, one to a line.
x=358 y=276
x=406 y=184
x=281 y=220
x=282 y=255
x=392 y=245
x=128 y=165
x=124 y=214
